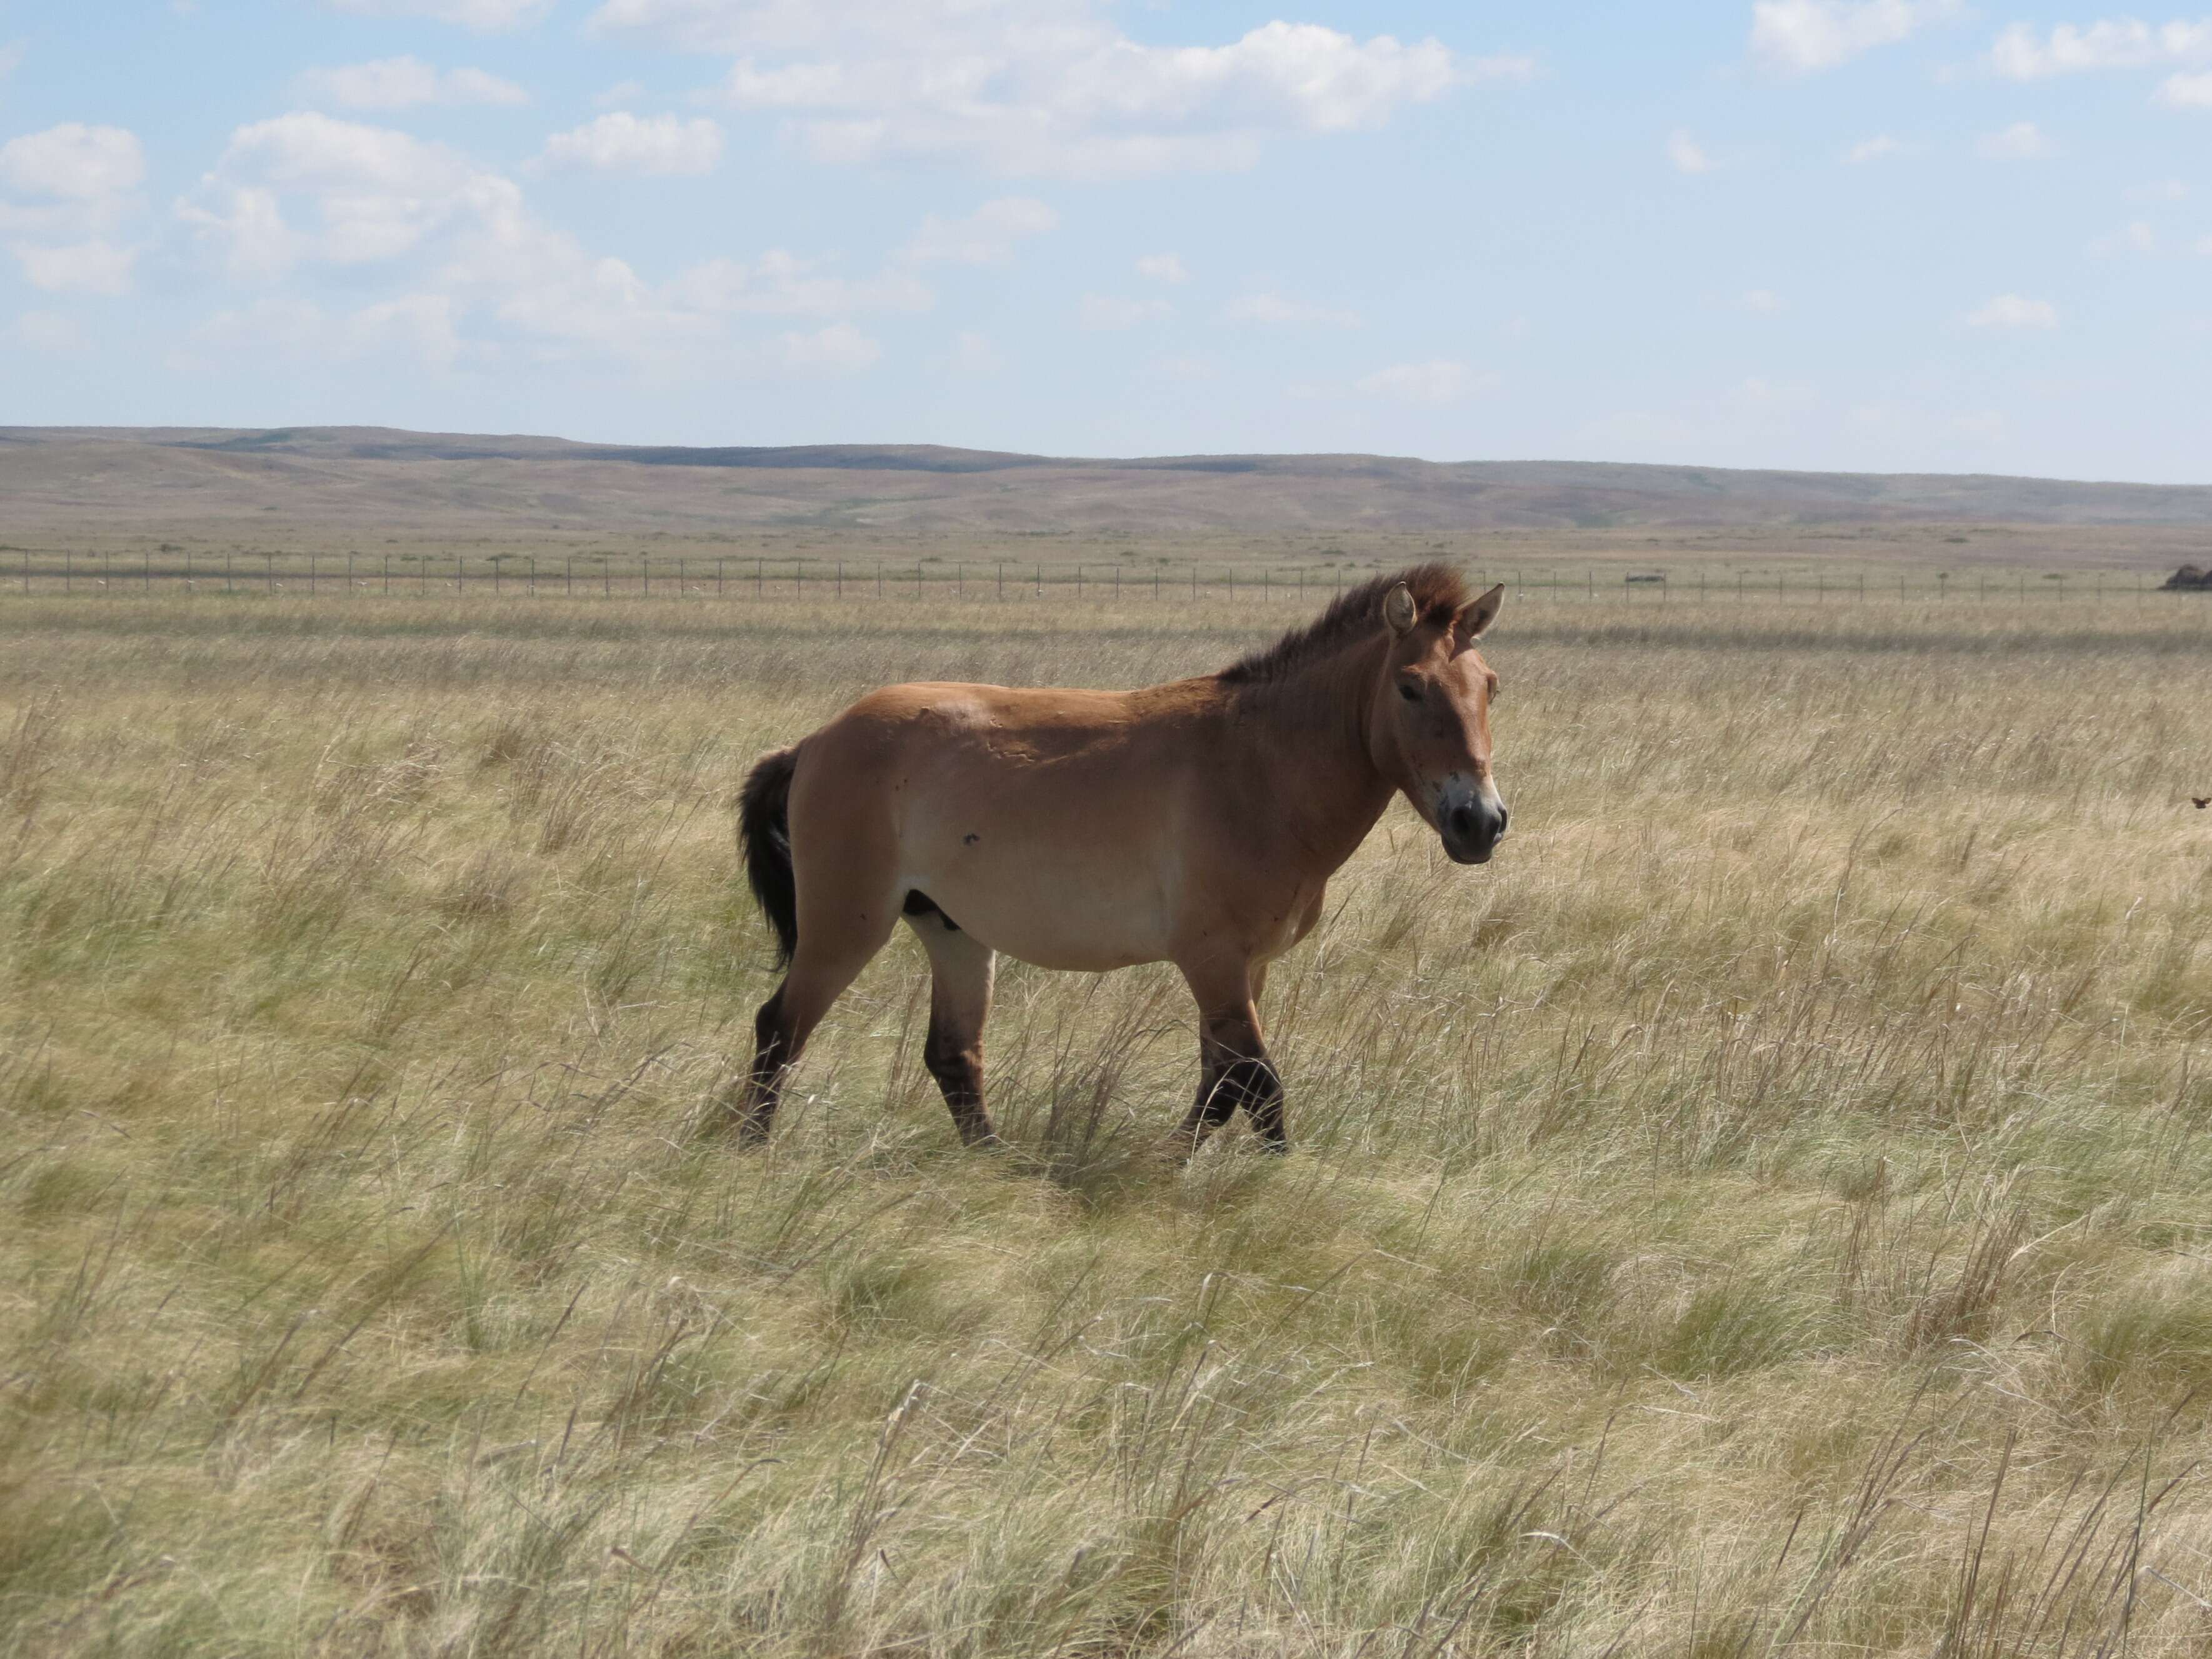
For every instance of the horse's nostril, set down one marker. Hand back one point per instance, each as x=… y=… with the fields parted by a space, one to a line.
x=1461 y=820
x=1504 y=818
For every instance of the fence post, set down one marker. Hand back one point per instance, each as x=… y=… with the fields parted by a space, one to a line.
x=1002 y=578
x=841 y=579
x=1040 y=581
x=387 y=572
x=718 y=563
x=269 y=570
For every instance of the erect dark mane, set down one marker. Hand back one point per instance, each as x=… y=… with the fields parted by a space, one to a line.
x=1438 y=590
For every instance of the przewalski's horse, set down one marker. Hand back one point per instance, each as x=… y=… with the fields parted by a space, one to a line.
x=1196 y=823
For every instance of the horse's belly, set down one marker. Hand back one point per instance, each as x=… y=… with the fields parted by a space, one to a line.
x=1076 y=914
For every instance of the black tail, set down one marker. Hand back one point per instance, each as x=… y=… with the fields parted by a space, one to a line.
x=764 y=832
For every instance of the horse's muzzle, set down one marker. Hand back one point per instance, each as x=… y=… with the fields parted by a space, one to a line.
x=1472 y=831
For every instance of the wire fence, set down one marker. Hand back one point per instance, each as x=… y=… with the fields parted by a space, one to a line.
x=588 y=576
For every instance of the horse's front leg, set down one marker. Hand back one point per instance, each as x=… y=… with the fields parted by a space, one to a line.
x=1234 y=1070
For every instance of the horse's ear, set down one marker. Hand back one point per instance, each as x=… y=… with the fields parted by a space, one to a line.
x=1399 y=609
x=1476 y=617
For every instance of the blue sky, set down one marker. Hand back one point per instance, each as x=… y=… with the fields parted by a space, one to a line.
x=1895 y=234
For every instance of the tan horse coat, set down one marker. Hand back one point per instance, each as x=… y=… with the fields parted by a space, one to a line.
x=1196 y=823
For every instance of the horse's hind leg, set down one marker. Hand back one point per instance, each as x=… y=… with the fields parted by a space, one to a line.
x=826 y=961
x=960 y=971
x=1234 y=1070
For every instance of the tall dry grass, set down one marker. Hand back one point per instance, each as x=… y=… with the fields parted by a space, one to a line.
x=1765 y=1211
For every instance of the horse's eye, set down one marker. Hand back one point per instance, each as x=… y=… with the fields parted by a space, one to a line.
x=1409 y=691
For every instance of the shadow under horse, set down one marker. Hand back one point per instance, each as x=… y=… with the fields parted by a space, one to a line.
x=1196 y=823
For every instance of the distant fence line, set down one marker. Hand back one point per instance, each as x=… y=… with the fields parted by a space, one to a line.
x=589 y=576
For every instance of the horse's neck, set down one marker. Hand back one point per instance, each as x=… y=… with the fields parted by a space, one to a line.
x=1320 y=776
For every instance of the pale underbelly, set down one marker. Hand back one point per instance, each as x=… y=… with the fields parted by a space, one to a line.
x=1089 y=921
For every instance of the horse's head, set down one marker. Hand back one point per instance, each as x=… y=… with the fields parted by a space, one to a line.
x=1429 y=728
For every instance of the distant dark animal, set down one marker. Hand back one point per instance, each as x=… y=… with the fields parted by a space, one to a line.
x=2201 y=801
x=2188 y=577
x=1196 y=823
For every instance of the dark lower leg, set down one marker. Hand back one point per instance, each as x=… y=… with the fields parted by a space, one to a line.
x=958 y=1067
x=772 y=1057
x=1235 y=1073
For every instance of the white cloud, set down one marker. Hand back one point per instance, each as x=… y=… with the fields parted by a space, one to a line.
x=623 y=92
x=2186 y=92
x=1273 y=308
x=985 y=237
x=398 y=83
x=73 y=161
x=471 y=275
x=974 y=355
x=2023 y=140
x=95 y=267
x=378 y=194
x=780 y=284
x=1880 y=148
x=2159 y=189
x=1764 y=301
x=1163 y=267
x=2010 y=311
x=1804 y=37
x=658 y=146
x=2136 y=238
x=1686 y=153
x=1101 y=311
x=1438 y=381
x=484 y=17
x=46 y=330
x=2021 y=54
x=2205 y=245
x=11 y=58
x=1049 y=87
x=421 y=327
x=840 y=348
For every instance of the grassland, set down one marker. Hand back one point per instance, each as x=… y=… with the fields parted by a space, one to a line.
x=1769 y=1209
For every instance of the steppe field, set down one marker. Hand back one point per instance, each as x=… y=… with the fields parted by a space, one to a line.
x=1768 y=1209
